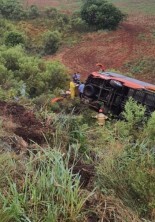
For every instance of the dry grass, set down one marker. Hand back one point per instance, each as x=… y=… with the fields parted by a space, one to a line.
x=109 y=209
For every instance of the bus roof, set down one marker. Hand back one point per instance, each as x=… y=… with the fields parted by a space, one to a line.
x=125 y=80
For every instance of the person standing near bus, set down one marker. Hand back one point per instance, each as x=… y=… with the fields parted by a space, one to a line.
x=72 y=89
x=101 y=67
x=81 y=89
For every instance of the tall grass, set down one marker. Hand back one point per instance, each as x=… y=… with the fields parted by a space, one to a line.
x=45 y=190
x=126 y=169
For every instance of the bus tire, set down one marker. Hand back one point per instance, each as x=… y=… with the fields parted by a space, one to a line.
x=116 y=84
x=89 y=91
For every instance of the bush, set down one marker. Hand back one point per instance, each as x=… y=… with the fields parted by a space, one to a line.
x=52 y=42
x=77 y=24
x=12 y=9
x=130 y=175
x=55 y=76
x=51 y=12
x=5 y=26
x=134 y=113
x=101 y=14
x=149 y=130
x=39 y=76
x=33 y=12
x=14 y=38
x=134 y=120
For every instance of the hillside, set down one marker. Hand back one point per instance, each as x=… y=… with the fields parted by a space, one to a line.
x=58 y=162
x=128 y=49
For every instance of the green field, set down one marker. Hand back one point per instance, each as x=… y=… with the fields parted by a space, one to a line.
x=128 y=6
x=136 y=6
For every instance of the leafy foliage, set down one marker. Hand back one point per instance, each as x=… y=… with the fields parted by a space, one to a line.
x=39 y=76
x=134 y=120
x=149 y=131
x=12 y=9
x=33 y=12
x=77 y=24
x=101 y=14
x=52 y=42
x=14 y=38
x=51 y=12
x=134 y=113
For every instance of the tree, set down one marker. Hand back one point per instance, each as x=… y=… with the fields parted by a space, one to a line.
x=52 y=42
x=101 y=14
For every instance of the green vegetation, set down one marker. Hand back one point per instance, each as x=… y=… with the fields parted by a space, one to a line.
x=80 y=171
x=39 y=76
x=46 y=188
x=52 y=42
x=14 y=38
x=141 y=66
x=41 y=184
x=12 y=9
x=101 y=14
x=141 y=7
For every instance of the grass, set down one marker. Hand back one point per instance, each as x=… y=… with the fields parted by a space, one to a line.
x=128 y=6
x=40 y=188
x=143 y=7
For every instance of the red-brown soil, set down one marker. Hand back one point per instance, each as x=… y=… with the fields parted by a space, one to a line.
x=134 y=39
x=27 y=125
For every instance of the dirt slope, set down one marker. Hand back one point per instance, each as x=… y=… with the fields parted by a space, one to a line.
x=134 y=39
x=22 y=122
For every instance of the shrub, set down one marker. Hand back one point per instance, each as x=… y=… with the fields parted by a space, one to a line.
x=130 y=175
x=149 y=130
x=11 y=9
x=77 y=24
x=14 y=38
x=33 y=12
x=39 y=76
x=52 y=42
x=101 y=14
x=51 y=12
x=134 y=113
x=5 y=26
x=134 y=120
x=55 y=76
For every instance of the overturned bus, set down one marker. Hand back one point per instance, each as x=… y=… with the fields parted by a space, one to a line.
x=110 y=91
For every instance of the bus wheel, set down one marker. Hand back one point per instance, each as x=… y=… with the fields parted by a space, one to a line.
x=116 y=84
x=89 y=90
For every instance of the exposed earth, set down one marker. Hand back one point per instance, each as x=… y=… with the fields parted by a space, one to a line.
x=20 y=125
x=133 y=40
